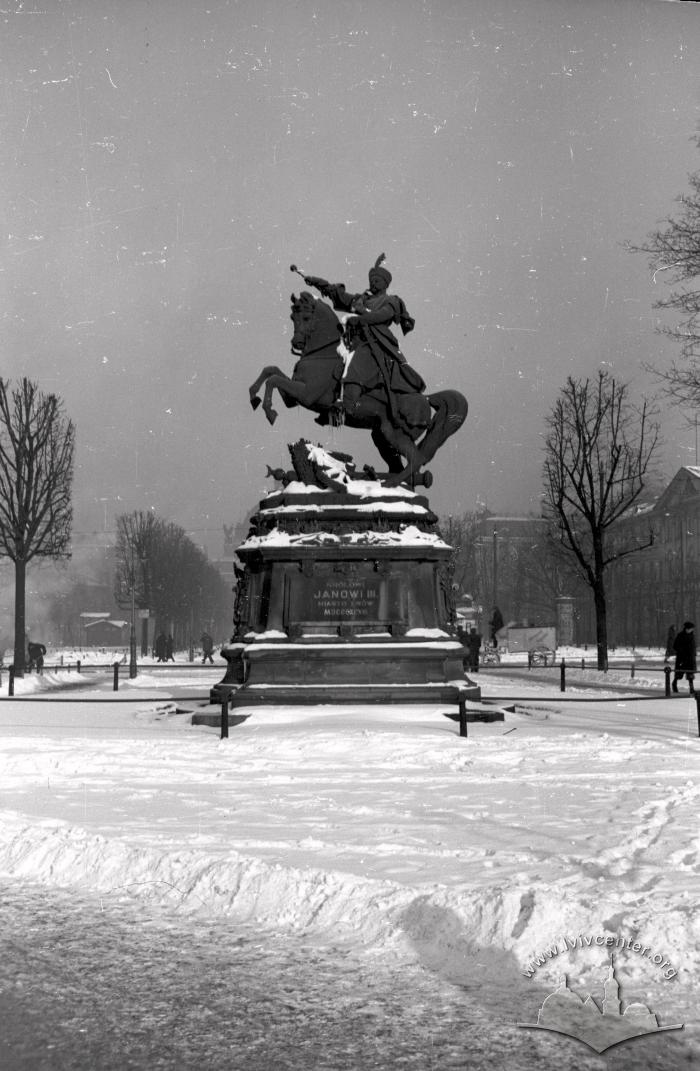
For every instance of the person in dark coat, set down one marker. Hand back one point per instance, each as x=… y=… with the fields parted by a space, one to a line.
x=169 y=649
x=36 y=656
x=160 y=647
x=474 y=646
x=207 y=648
x=686 y=658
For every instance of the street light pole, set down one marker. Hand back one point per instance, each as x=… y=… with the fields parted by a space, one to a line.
x=133 y=669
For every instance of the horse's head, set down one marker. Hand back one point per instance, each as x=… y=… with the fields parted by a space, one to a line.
x=316 y=326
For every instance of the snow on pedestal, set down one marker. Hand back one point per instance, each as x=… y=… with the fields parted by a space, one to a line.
x=344 y=596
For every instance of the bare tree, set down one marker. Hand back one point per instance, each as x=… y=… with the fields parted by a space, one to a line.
x=598 y=449
x=674 y=248
x=37 y=442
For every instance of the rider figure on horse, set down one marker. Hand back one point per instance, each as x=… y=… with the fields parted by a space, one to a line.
x=377 y=362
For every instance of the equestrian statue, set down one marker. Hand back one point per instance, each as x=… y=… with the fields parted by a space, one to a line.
x=378 y=390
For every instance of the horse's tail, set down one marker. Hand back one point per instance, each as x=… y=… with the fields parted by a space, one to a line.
x=451 y=410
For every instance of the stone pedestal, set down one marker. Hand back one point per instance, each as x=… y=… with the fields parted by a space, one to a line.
x=344 y=596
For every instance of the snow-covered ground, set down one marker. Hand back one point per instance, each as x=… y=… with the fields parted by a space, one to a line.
x=381 y=830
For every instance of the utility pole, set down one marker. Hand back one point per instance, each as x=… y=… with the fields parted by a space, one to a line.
x=133 y=670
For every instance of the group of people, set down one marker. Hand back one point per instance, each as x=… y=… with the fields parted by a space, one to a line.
x=164 y=648
x=682 y=647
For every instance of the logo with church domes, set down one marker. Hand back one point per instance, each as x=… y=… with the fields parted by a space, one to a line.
x=565 y=1012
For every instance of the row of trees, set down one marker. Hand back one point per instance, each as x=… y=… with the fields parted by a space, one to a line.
x=163 y=571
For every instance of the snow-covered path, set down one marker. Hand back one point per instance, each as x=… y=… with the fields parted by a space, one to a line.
x=384 y=831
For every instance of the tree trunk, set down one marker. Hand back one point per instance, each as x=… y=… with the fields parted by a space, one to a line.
x=601 y=623
x=20 y=617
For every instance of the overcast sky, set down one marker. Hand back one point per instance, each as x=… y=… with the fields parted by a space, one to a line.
x=164 y=162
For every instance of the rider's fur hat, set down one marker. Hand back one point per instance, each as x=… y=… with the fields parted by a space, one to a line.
x=377 y=269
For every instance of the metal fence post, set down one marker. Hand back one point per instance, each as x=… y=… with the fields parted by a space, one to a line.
x=462 y=714
x=562 y=679
x=224 y=718
x=667 y=685
x=116 y=677
x=11 y=681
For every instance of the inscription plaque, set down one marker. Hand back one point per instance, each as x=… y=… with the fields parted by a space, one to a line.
x=334 y=599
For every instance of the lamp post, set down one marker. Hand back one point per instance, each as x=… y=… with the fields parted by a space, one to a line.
x=133 y=670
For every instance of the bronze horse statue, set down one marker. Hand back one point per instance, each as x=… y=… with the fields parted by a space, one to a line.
x=396 y=421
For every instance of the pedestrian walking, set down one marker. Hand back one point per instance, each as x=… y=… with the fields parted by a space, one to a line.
x=160 y=647
x=169 y=649
x=686 y=657
x=207 y=648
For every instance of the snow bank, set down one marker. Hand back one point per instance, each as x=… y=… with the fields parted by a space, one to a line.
x=378 y=826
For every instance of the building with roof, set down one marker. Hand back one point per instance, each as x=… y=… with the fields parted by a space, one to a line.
x=659 y=585
x=101 y=630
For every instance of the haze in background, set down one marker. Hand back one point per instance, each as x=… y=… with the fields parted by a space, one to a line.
x=165 y=162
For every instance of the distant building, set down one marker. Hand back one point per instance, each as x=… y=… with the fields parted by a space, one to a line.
x=99 y=630
x=659 y=585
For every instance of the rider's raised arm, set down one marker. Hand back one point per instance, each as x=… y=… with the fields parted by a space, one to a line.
x=339 y=296
x=335 y=291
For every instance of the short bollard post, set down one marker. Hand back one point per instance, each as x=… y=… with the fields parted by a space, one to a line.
x=11 y=681
x=116 y=677
x=562 y=676
x=632 y=671
x=667 y=683
x=529 y=659
x=78 y=665
x=224 y=717
x=697 y=709
x=583 y=663
x=462 y=715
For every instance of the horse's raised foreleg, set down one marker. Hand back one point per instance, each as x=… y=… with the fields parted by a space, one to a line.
x=292 y=391
x=268 y=370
